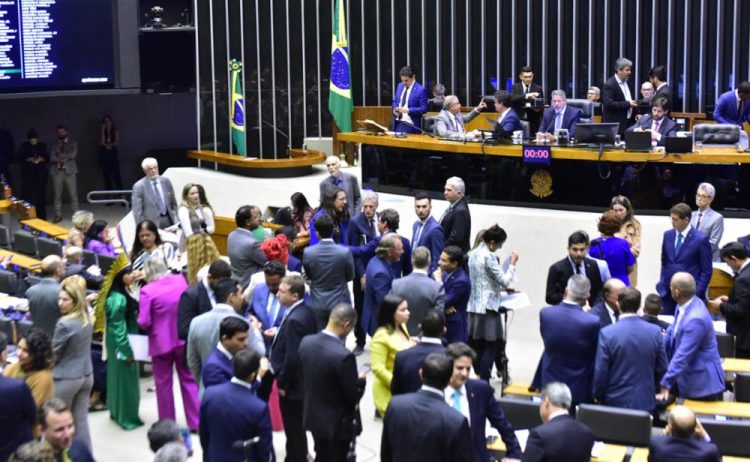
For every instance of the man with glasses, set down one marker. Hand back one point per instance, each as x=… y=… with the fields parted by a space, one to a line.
x=707 y=220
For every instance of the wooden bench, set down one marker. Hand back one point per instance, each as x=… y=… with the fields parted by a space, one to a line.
x=46 y=228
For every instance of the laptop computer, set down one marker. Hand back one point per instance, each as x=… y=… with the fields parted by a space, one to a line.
x=678 y=145
x=638 y=141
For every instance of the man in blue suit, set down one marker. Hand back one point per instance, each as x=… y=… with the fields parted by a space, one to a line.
x=426 y=231
x=559 y=116
x=233 y=334
x=684 y=439
x=379 y=278
x=265 y=305
x=409 y=361
x=608 y=308
x=683 y=249
x=457 y=288
x=569 y=352
x=629 y=357
x=409 y=103
x=362 y=229
x=58 y=429
x=388 y=223
x=421 y=426
x=475 y=399
x=694 y=364
x=17 y=409
x=231 y=412
x=733 y=107
x=507 y=120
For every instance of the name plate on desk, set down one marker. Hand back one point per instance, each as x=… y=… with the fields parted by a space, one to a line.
x=537 y=154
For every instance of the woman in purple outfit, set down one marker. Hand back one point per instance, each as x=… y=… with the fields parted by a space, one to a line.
x=98 y=239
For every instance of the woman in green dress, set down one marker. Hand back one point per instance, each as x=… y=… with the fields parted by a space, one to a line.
x=123 y=389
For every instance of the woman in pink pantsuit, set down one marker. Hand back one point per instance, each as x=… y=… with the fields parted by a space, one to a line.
x=158 y=316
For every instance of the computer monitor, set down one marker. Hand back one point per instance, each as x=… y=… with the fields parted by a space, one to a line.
x=596 y=133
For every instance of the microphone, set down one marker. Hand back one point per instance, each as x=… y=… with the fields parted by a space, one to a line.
x=242 y=445
x=424 y=132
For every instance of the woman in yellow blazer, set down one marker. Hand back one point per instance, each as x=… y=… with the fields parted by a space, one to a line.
x=390 y=337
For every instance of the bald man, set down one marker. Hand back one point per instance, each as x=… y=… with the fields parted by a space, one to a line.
x=43 y=295
x=684 y=439
x=608 y=309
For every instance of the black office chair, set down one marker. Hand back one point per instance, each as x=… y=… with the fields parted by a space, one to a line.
x=731 y=436
x=89 y=258
x=4 y=237
x=616 y=425
x=32 y=280
x=6 y=327
x=105 y=263
x=742 y=387
x=725 y=343
x=521 y=413
x=586 y=106
x=47 y=247
x=22 y=327
x=428 y=124
x=8 y=282
x=25 y=243
x=435 y=105
x=717 y=134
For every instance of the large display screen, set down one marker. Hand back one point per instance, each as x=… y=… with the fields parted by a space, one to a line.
x=55 y=45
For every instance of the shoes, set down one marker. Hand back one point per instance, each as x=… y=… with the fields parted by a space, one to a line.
x=57 y=219
x=358 y=350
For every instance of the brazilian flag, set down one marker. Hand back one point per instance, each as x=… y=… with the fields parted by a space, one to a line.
x=340 y=97
x=237 y=114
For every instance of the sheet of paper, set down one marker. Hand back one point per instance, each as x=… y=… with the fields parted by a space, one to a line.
x=514 y=300
x=523 y=436
x=597 y=448
x=139 y=345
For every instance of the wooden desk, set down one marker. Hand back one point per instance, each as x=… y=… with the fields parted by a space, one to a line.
x=519 y=389
x=725 y=408
x=641 y=455
x=736 y=365
x=297 y=161
x=610 y=453
x=720 y=284
x=47 y=228
x=27 y=263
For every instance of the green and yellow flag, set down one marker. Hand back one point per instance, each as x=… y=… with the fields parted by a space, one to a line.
x=237 y=115
x=340 y=97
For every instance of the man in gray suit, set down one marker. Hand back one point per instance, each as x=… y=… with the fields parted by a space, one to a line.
x=64 y=170
x=707 y=220
x=329 y=268
x=154 y=199
x=345 y=181
x=43 y=295
x=450 y=121
x=203 y=335
x=420 y=291
x=243 y=248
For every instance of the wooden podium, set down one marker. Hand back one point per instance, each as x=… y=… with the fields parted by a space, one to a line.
x=298 y=162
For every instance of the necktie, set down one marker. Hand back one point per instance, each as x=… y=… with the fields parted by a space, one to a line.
x=418 y=235
x=402 y=103
x=698 y=223
x=371 y=225
x=274 y=305
x=678 y=244
x=617 y=317
x=677 y=314
x=558 y=120
x=159 y=198
x=457 y=400
x=525 y=89
x=578 y=269
x=655 y=129
x=455 y=124
x=66 y=456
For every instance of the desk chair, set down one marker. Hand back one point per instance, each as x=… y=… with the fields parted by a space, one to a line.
x=725 y=344
x=25 y=243
x=428 y=124
x=6 y=327
x=8 y=282
x=742 y=387
x=89 y=258
x=729 y=435
x=47 y=247
x=22 y=327
x=521 y=413
x=4 y=237
x=105 y=263
x=716 y=134
x=616 y=425
x=586 y=106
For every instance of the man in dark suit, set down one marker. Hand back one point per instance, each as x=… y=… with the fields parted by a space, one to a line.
x=657 y=75
x=362 y=230
x=558 y=116
x=298 y=322
x=618 y=104
x=422 y=293
x=733 y=107
x=74 y=266
x=233 y=335
x=345 y=181
x=684 y=439
x=569 y=353
x=379 y=278
x=736 y=307
x=523 y=94
x=652 y=308
x=476 y=401
x=683 y=249
x=629 y=356
x=329 y=267
x=426 y=231
x=409 y=103
x=424 y=417
x=231 y=412
x=245 y=256
x=457 y=288
x=694 y=370
x=577 y=262
x=17 y=408
x=507 y=119
x=456 y=221
x=658 y=123
x=57 y=428
x=265 y=305
x=408 y=362
x=608 y=308
x=199 y=297
x=332 y=386
x=560 y=437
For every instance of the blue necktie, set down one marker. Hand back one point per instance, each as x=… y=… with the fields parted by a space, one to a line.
x=678 y=244
x=457 y=400
x=558 y=121
x=162 y=207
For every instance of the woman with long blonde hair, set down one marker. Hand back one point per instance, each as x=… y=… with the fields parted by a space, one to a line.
x=201 y=251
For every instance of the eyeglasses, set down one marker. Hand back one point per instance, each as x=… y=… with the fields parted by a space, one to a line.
x=702 y=196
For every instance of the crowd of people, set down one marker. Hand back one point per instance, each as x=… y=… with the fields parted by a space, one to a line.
x=258 y=342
